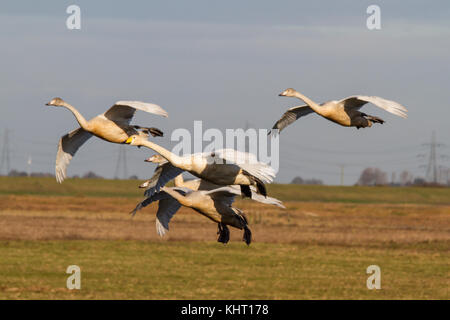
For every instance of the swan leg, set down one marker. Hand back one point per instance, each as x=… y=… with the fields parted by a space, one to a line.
x=375 y=119
x=360 y=121
x=260 y=187
x=245 y=191
x=371 y=119
x=223 y=232
x=247 y=235
x=155 y=132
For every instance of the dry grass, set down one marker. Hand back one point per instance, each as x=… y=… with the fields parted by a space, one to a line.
x=313 y=249
x=50 y=218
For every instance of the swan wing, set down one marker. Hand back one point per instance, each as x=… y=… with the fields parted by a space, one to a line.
x=163 y=174
x=258 y=197
x=166 y=210
x=247 y=162
x=224 y=194
x=266 y=200
x=124 y=110
x=67 y=147
x=290 y=116
x=356 y=102
x=157 y=197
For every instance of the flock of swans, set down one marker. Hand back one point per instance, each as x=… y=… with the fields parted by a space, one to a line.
x=222 y=174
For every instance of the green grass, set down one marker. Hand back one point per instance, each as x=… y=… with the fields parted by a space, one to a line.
x=70 y=187
x=199 y=270
x=284 y=192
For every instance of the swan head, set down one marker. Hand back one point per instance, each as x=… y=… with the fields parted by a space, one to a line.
x=289 y=92
x=156 y=159
x=56 y=102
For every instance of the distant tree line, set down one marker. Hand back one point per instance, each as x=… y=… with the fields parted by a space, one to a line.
x=87 y=175
x=377 y=177
x=369 y=177
x=300 y=180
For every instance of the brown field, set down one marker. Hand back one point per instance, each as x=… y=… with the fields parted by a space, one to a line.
x=318 y=248
x=349 y=224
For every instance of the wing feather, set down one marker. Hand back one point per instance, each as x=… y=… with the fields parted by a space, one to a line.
x=124 y=110
x=356 y=102
x=67 y=147
x=157 y=197
x=224 y=194
x=166 y=210
x=290 y=116
x=246 y=161
x=163 y=174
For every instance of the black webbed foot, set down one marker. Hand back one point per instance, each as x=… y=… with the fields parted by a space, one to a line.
x=247 y=235
x=224 y=233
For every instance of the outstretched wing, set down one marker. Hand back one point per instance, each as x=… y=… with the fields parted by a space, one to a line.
x=224 y=194
x=156 y=197
x=247 y=162
x=356 y=102
x=163 y=174
x=290 y=116
x=166 y=210
x=124 y=110
x=67 y=147
x=266 y=200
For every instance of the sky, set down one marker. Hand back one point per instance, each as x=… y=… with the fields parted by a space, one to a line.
x=225 y=62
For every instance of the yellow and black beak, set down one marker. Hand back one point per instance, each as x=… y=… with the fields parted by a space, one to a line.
x=129 y=140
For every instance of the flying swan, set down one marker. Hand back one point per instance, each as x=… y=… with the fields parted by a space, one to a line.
x=344 y=112
x=200 y=184
x=113 y=126
x=214 y=204
x=222 y=167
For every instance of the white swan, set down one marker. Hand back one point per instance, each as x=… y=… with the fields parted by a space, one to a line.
x=214 y=204
x=200 y=184
x=221 y=167
x=113 y=126
x=344 y=112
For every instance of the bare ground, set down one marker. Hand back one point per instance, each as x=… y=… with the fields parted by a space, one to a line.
x=24 y=217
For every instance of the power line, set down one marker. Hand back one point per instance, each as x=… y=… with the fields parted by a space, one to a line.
x=5 y=153
x=121 y=163
x=432 y=167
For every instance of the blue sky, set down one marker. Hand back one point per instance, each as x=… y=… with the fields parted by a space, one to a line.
x=225 y=63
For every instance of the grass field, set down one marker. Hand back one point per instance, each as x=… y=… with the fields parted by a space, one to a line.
x=318 y=248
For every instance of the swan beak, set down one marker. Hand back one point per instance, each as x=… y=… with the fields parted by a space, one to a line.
x=148 y=160
x=281 y=94
x=128 y=141
x=47 y=104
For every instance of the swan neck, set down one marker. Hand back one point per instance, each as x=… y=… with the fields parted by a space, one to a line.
x=172 y=158
x=81 y=120
x=177 y=196
x=308 y=101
